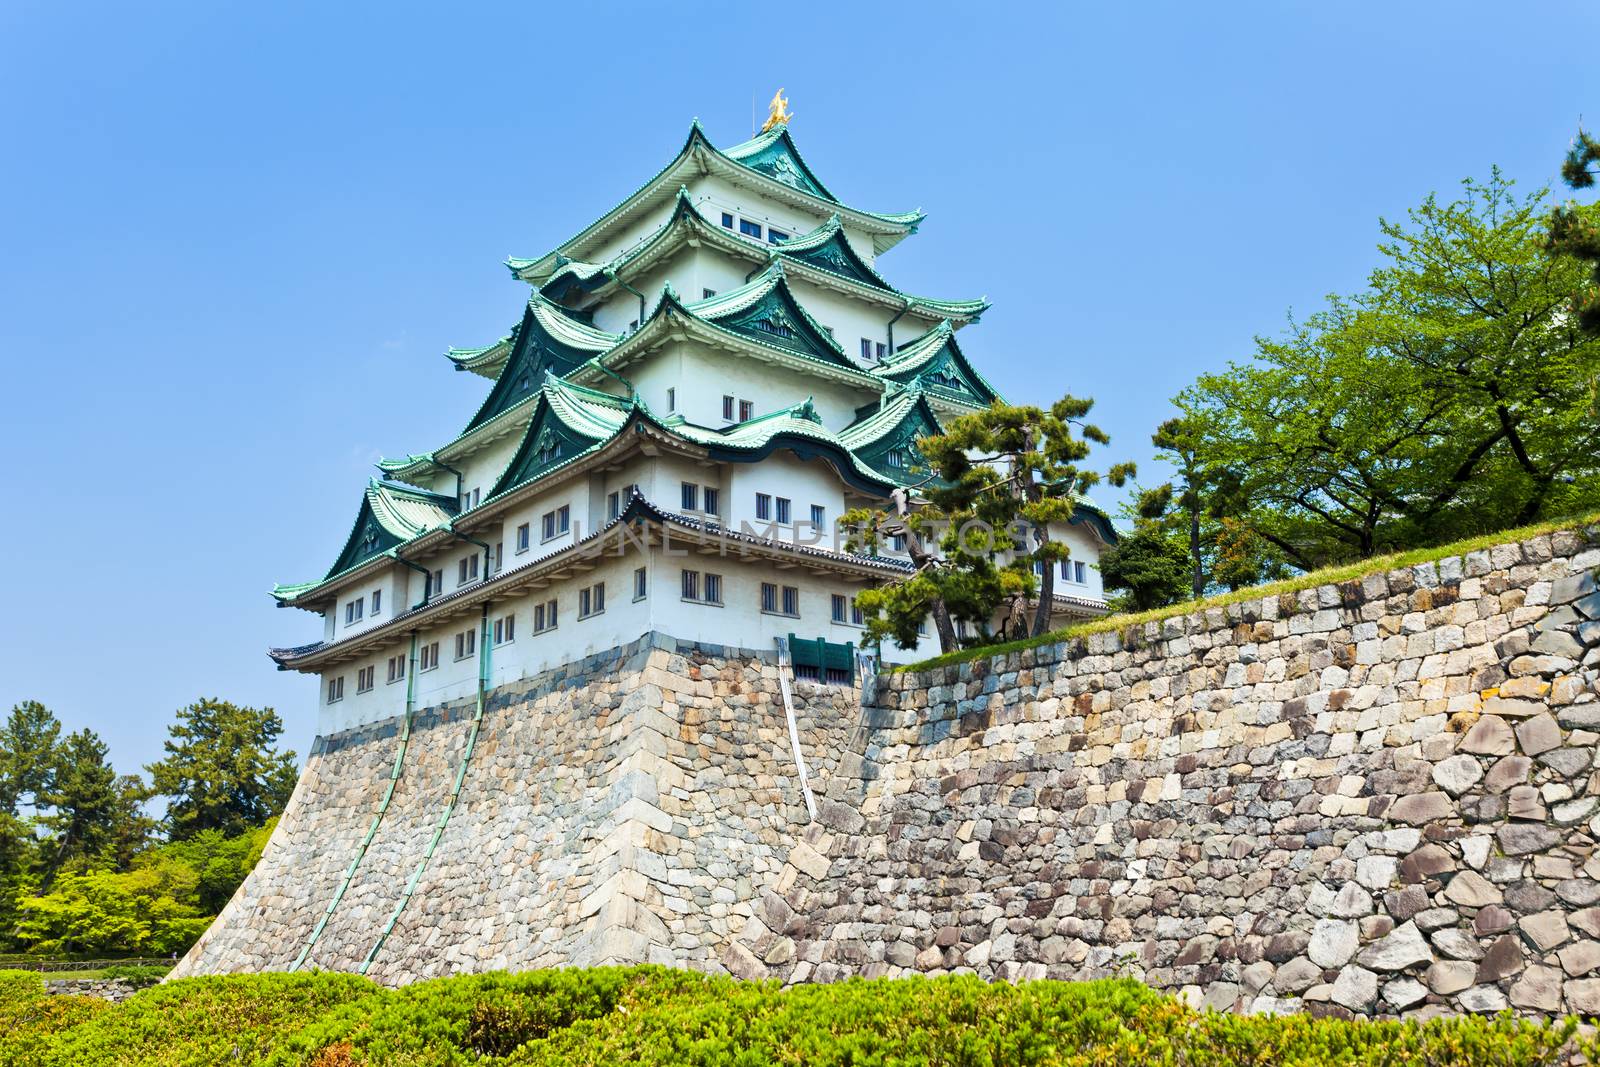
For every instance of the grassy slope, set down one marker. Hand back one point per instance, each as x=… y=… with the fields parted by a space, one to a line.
x=1309 y=580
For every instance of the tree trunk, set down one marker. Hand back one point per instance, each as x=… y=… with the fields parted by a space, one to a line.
x=1199 y=578
x=1047 y=585
x=923 y=560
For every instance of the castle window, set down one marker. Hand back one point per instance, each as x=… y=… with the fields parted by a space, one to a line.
x=499 y=557
x=544 y=616
x=750 y=229
x=672 y=399
x=467 y=569
x=641 y=580
x=747 y=410
x=783 y=509
x=437 y=583
x=895 y=458
x=591 y=600
x=397 y=668
x=377 y=601
x=353 y=610
x=505 y=629
x=365 y=679
x=866 y=349
x=613 y=505
x=819 y=516
x=776 y=237
x=845 y=611
x=763 y=506
x=429 y=656
x=898 y=541
x=555 y=523
x=522 y=538
x=709 y=501
x=707 y=294
x=839 y=607
x=880 y=347
x=335 y=689
x=469 y=499
x=727 y=408
x=466 y=643
x=703 y=588
x=776 y=601
x=691 y=496
x=727 y=220
x=1080 y=572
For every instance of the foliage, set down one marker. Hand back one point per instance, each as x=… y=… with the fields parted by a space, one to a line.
x=1576 y=232
x=149 y=909
x=1326 y=576
x=27 y=754
x=653 y=1016
x=82 y=798
x=199 y=1022
x=1148 y=568
x=135 y=975
x=221 y=769
x=1452 y=396
x=996 y=481
x=31 y=1020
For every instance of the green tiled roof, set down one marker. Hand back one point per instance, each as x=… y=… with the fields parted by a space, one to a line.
x=893 y=428
x=568 y=421
x=547 y=340
x=934 y=361
x=390 y=515
x=760 y=160
x=795 y=427
x=486 y=361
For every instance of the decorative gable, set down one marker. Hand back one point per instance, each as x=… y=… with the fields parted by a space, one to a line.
x=779 y=160
x=547 y=443
x=776 y=319
x=535 y=352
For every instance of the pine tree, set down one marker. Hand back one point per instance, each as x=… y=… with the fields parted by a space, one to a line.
x=82 y=799
x=1574 y=231
x=27 y=754
x=221 y=771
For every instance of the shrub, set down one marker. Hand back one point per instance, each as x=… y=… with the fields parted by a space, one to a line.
x=137 y=976
x=31 y=1019
x=464 y=1019
x=199 y=1022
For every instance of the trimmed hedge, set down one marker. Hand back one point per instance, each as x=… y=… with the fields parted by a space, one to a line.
x=655 y=1016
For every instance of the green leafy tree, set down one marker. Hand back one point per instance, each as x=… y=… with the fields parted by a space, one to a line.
x=221 y=770
x=1453 y=396
x=148 y=909
x=27 y=754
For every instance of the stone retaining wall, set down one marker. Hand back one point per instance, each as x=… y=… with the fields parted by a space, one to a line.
x=1378 y=798
x=626 y=809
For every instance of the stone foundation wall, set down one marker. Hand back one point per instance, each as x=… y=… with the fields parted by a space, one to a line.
x=1375 y=798
x=628 y=808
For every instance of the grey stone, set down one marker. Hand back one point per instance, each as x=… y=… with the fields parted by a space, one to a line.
x=1356 y=988
x=1557 y=643
x=1472 y=890
x=1333 y=943
x=1403 y=992
x=1508 y=772
x=1538 y=988
x=1297 y=975
x=1490 y=736
x=1403 y=947
x=1544 y=930
x=1502 y=960
x=1482 y=999
x=1450 y=976
x=1457 y=944
x=1583 y=996
x=1457 y=774
x=1571 y=587
x=1419 y=808
x=1539 y=734
x=1520 y=839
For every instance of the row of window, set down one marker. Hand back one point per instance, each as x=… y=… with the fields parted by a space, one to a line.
x=872 y=351
x=780 y=509
x=357 y=609
x=699 y=587
x=703 y=498
x=753 y=229
x=1072 y=570
x=745 y=408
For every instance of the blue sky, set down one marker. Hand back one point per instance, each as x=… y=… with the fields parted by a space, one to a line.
x=237 y=240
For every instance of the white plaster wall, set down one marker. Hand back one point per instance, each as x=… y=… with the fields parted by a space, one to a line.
x=702 y=377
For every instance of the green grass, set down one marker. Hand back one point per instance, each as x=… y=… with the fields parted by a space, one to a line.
x=1309 y=580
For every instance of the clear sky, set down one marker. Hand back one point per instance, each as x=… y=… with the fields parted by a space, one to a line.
x=237 y=238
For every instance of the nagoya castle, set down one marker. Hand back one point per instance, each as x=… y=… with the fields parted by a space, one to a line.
x=555 y=722
x=718 y=357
